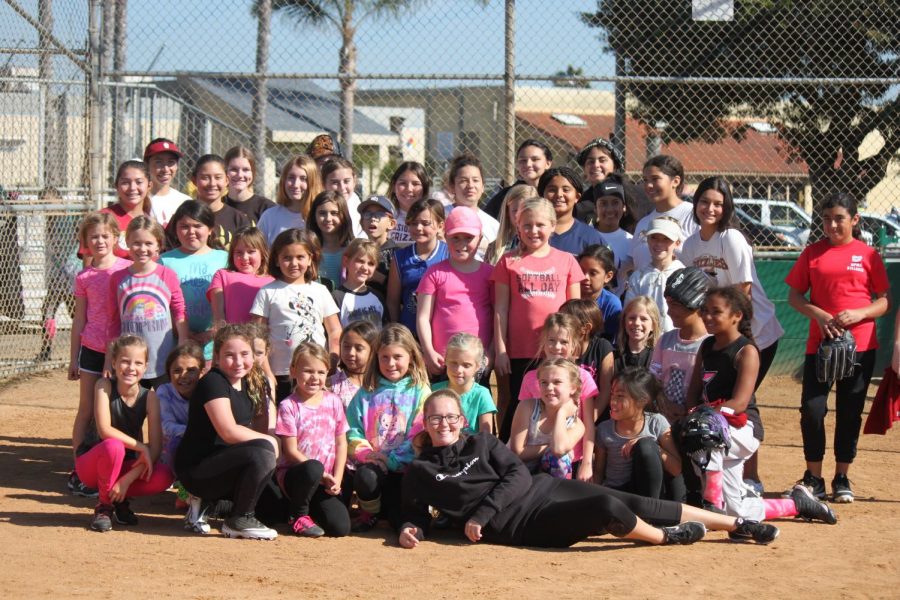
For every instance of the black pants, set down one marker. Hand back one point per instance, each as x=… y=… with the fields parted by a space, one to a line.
x=648 y=476
x=849 y=402
x=284 y=387
x=371 y=483
x=766 y=356
x=302 y=483
x=518 y=368
x=238 y=473
x=577 y=510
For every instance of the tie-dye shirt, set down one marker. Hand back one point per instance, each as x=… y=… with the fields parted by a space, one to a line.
x=314 y=427
x=147 y=305
x=386 y=420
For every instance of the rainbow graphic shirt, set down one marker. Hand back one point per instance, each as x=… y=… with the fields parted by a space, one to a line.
x=147 y=305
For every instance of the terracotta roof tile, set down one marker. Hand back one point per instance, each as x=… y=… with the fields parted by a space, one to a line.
x=756 y=154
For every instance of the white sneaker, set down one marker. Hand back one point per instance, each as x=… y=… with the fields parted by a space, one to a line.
x=195 y=519
x=247 y=527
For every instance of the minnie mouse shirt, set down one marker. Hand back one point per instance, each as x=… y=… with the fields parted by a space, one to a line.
x=295 y=313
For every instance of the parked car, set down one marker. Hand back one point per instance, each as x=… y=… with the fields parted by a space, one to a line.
x=870 y=226
x=765 y=236
x=785 y=217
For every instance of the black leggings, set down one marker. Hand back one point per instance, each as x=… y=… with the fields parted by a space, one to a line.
x=302 y=484
x=518 y=368
x=648 y=476
x=766 y=356
x=237 y=472
x=577 y=510
x=371 y=484
x=849 y=402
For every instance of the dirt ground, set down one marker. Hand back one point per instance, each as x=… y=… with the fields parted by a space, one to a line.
x=46 y=549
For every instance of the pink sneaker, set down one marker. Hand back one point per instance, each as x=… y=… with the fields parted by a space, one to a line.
x=306 y=527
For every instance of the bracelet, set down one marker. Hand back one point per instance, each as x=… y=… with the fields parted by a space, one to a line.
x=727 y=410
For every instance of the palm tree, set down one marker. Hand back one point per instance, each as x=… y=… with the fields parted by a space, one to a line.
x=572 y=77
x=345 y=17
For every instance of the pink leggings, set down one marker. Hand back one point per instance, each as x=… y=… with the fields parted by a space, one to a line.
x=102 y=465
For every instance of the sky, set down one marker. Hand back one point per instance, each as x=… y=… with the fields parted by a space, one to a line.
x=437 y=36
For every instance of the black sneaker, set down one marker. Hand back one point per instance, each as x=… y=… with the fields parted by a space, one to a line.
x=102 y=520
x=712 y=508
x=747 y=530
x=77 y=488
x=248 y=527
x=842 y=493
x=123 y=514
x=816 y=486
x=809 y=508
x=684 y=533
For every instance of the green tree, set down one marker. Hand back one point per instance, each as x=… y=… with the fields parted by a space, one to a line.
x=572 y=77
x=798 y=51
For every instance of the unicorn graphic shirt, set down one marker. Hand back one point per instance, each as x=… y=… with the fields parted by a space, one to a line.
x=147 y=305
x=385 y=421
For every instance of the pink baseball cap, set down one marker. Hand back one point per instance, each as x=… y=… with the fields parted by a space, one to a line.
x=463 y=219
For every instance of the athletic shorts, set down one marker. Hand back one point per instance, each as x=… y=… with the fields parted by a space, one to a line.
x=91 y=361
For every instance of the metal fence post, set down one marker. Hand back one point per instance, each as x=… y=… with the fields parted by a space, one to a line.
x=95 y=120
x=509 y=83
x=261 y=93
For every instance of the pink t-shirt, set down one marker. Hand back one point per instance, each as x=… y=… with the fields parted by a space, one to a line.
x=147 y=305
x=532 y=389
x=537 y=288
x=315 y=428
x=840 y=278
x=93 y=285
x=239 y=290
x=462 y=302
x=344 y=387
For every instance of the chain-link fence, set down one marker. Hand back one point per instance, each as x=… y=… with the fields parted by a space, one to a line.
x=786 y=100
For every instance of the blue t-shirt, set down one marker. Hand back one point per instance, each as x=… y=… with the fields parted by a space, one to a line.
x=330 y=267
x=577 y=238
x=611 y=307
x=412 y=269
x=195 y=272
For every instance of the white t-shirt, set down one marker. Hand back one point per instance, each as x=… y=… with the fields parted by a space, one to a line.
x=728 y=258
x=162 y=208
x=295 y=313
x=619 y=241
x=366 y=306
x=353 y=203
x=279 y=218
x=683 y=213
x=651 y=282
x=400 y=233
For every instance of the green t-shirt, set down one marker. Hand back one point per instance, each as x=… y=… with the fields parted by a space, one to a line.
x=476 y=402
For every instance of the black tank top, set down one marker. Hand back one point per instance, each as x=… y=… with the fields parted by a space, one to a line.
x=127 y=419
x=627 y=358
x=719 y=370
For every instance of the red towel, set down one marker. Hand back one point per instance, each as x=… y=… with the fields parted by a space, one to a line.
x=886 y=406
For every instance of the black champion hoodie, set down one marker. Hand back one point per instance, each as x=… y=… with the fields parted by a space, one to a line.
x=476 y=478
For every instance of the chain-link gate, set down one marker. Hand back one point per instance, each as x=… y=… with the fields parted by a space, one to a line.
x=787 y=100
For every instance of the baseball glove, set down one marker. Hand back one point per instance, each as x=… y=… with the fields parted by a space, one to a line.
x=836 y=358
